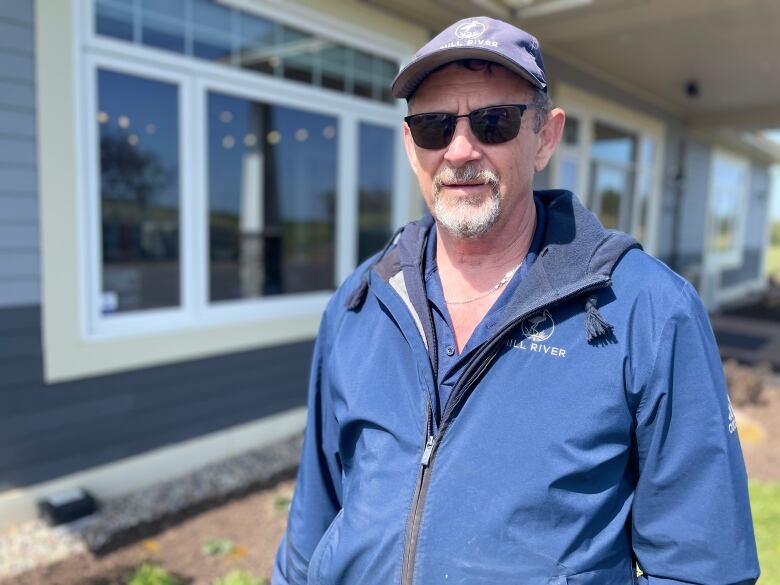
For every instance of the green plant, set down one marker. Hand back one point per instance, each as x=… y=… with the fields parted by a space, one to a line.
x=239 y=578
x=218 y=547
x=282 y=503
x=149 y=574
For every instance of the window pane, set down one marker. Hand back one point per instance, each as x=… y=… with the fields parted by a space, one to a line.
x=613 y=145
x=139 y=190
x=272 y=189
x=610 y=191
x=212 y=31
x=334 y=68
x=296 y=49
x=363 y=74
x=375 y=184
x=571 y=131
x=257 y=40
x=569 y=170
x=114 y=19
x=163 y=24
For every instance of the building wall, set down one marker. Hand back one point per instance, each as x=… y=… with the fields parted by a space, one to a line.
x=19 y=248
x=49 y=430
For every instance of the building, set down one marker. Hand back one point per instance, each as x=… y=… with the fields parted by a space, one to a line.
x=185 y=181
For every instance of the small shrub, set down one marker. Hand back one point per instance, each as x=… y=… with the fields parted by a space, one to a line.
x=282 y=503
x=218 y=547
x=239 y=578
x=148 y=574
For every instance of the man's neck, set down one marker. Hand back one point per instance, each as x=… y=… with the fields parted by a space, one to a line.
x=479 y=262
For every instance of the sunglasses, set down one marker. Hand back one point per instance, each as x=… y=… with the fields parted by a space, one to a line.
x=491 y=125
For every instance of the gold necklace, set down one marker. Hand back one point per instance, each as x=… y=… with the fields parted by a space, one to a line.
x=504 y=279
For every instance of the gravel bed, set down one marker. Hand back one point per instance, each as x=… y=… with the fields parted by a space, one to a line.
x=32 y=544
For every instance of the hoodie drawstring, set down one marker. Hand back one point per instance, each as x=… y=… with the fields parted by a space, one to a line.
x=595 y=324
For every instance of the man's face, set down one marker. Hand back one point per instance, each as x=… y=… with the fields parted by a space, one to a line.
x=468 y=186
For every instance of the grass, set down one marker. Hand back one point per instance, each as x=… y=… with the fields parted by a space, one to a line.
x=773 y=261
x=765 y=503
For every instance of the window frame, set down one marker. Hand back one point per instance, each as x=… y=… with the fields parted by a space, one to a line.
x=721 y=260
x=590 y=109
x=81 y=341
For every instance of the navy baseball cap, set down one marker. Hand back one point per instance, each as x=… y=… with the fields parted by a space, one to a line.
x=479 y=37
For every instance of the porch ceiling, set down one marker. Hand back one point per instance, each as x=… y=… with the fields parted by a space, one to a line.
x=729 y=48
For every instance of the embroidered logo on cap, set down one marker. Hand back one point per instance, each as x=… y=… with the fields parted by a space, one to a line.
x=470 y=30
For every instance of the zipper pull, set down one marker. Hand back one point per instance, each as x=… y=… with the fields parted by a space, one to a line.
x=426 y=456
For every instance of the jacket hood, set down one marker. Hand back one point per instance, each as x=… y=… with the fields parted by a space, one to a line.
x=577 y=257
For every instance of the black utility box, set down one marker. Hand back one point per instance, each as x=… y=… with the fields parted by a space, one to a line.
x=67 y=506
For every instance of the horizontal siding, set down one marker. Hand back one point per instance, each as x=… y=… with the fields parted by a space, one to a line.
x=15 y=37
x=17 y=94
x=25 y=264
x=19 y=291
x=17 y=11
x=17 y=67
x=19 y=215
x=50 y=430
x=18 y=152
x=18 y=209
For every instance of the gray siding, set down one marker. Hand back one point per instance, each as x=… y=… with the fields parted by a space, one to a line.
x=19 y=237
x=50 y=430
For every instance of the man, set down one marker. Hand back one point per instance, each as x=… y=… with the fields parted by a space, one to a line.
x=508 y=393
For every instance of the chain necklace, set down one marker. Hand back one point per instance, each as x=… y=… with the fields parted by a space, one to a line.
x=504 y=279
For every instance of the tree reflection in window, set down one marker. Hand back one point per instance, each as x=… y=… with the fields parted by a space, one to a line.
x=139 y=192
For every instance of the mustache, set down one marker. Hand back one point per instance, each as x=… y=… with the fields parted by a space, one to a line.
x=469 y=173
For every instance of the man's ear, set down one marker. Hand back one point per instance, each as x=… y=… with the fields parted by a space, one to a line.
x=411 y=153
x=549 y=137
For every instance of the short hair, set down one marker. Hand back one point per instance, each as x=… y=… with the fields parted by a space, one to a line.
x=541 y=101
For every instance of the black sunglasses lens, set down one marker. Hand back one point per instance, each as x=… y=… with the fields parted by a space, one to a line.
x=497 y=124
x=431 y=131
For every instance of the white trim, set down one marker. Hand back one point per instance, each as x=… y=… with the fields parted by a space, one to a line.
x=588 y=109
x=157 y=466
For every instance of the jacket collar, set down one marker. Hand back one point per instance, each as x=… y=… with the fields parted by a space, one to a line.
x=577 y=257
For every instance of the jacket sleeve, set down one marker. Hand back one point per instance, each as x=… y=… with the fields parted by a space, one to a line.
x=691 y=513
x=317 y=497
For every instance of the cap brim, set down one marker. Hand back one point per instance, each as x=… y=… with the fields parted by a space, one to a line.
x=414 y=73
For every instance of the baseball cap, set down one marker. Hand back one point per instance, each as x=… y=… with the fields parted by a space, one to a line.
x=479 y=37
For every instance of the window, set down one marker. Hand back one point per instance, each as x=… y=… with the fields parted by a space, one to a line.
x=272 y=191
x=209 y=171
x=139 y=192
x=610 y=157
x=729 y=182
x=212 y=31
x=230 y=172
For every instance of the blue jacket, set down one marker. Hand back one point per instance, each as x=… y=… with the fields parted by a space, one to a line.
x=592 y=432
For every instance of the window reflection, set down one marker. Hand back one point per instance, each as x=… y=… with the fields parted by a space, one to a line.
x=209 y=30
x=272 y=189
x=375 y=184
x=613 y=166
x=139 y=190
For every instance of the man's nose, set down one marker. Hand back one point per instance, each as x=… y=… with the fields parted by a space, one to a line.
x=464 y=146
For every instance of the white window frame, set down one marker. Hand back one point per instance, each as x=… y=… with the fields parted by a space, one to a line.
x=590 y=109
x=719 y=260
x=93 y=343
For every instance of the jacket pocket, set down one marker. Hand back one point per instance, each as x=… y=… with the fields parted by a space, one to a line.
x=324 y=551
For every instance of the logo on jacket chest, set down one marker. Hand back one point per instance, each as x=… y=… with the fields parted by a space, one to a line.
x=537 y=330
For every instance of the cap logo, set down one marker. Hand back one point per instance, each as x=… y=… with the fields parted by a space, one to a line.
x=470 y=30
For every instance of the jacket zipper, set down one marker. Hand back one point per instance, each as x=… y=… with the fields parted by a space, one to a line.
x=478 y=365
